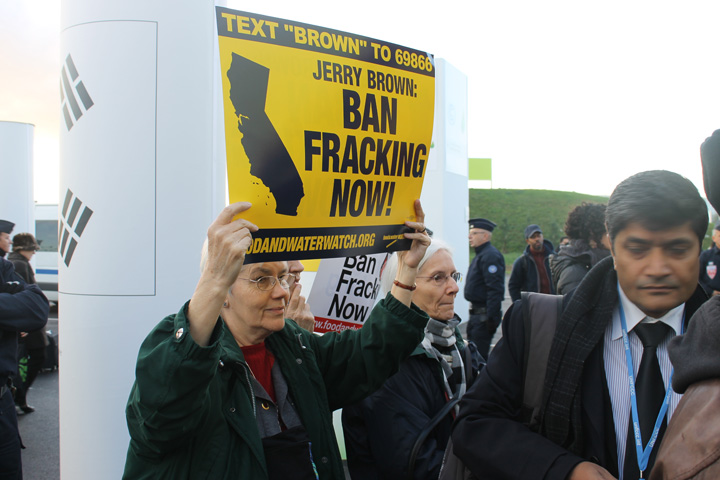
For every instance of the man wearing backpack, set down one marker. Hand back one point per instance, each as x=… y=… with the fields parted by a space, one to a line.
x=600 y=405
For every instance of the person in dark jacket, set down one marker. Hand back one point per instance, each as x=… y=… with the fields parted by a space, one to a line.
x=23 y=308
x=32 y=343
x=589 y=244
x=656 y=221
x=484 y=285
x=228 y=388
x=382 y=430
x=531 y=270
x=710 y=264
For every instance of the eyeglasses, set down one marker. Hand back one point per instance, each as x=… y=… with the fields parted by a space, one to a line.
x=268 y=283
x=440 y=279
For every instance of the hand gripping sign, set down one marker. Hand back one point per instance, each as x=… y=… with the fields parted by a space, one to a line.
x=327 y=135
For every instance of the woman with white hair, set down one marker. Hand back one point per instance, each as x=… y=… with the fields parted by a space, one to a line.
x=401 y=431
x=228 y=389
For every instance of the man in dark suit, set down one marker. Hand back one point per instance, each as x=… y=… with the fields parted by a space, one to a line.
x=587 y=427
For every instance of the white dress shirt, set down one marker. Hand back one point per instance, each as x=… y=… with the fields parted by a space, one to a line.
x=616 y=365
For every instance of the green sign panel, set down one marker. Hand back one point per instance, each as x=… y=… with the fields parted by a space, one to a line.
x=479 y=169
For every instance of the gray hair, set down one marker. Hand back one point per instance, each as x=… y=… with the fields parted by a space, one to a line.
x=391 y=268
x=657 y=200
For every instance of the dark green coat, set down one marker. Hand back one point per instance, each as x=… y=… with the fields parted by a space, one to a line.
x=190 y=412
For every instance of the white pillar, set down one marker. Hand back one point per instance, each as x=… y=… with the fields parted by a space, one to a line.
x=445 y=187
x=16 y=165
x=138 y=188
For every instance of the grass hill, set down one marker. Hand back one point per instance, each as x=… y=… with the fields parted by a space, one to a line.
x=513 y=210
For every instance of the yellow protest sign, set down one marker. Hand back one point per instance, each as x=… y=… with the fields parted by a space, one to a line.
x=327 y=135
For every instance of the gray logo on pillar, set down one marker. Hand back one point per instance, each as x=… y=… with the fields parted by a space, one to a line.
x=72 y=88
x=72 y=225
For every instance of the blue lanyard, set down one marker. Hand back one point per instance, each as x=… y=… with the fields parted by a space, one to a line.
x=643 y=455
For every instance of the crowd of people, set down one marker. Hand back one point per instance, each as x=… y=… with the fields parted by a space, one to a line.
x=618 y=376
x=608 y=366
x=590 y=420
x=233 y=385
x=579 y=387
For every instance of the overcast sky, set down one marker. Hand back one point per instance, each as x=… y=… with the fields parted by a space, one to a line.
x=563 y=95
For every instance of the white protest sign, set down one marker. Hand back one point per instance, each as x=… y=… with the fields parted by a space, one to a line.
x=344 y=291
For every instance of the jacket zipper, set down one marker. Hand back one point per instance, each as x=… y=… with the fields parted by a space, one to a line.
x=252 y=392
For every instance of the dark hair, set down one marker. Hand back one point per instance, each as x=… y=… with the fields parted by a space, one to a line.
x=657 y=200
x=586 y=222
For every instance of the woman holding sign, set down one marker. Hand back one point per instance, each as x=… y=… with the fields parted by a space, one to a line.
x=227 y=388
x=401 y=431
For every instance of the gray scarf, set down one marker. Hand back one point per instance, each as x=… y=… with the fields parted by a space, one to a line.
x=439 y=334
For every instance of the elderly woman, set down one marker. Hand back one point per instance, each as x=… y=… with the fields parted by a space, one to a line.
x=382 y=431
x=228 y=389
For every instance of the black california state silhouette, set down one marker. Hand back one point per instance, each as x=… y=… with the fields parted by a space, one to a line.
x=269 y=159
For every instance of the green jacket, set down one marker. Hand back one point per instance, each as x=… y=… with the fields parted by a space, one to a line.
x=190 y=413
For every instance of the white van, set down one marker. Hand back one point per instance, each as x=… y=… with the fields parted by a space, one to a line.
x=47 y=258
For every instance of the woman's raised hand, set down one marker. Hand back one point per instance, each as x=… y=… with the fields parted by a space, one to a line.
x=228 y=240
x=420 y=238
x=408 y=261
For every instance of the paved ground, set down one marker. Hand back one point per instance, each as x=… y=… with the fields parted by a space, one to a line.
x=40 y=430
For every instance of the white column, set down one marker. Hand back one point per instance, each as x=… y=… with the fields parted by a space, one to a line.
x=445 y=188
x=138 y=188
x=16 y=170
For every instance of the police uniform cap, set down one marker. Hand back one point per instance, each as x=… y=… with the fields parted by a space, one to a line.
x=6 y=227
x=483 y=223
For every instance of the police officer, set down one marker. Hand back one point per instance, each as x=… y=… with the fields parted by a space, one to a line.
x=710 y=264
x=5 y=242
x=23 y=308
x=485 y=285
